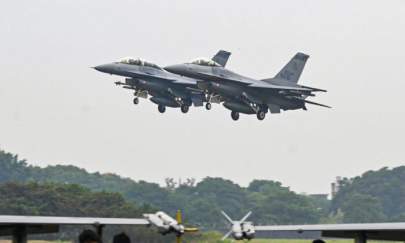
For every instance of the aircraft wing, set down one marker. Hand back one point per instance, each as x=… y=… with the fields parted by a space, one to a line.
x=254 y=83
x=334 y=227
x=221 y=78
x=43 y=220
x=175 y=80
x=309 y=102
x=11 y=225
x=152 y=76
x=375 y=231
x=278 y=87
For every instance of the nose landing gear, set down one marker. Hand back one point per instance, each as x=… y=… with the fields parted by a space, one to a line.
x=161 y=108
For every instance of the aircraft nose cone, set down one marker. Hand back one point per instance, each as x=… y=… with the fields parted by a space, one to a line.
x=102 y=68
x=238 y=235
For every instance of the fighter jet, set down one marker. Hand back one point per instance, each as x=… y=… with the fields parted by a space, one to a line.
x=242 y=94
x=167 y=89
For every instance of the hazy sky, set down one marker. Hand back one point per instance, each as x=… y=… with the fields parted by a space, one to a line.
x=55 y=109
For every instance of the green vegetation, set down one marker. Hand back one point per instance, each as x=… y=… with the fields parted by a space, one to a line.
x=374 y=196
x=50 y=199
x=201 y=202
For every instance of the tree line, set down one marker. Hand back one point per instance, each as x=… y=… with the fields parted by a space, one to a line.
x=374 y=196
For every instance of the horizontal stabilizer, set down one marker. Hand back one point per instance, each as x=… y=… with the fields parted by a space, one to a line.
x=314 y=89
x=278 y=87
x=314 y=103
x=191 y=230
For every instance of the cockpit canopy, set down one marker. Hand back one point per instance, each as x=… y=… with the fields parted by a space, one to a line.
x=138 y=62
x=205 y=62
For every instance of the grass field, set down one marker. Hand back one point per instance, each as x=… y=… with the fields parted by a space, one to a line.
x=295 y=241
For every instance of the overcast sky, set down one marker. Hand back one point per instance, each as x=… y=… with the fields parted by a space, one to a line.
x=56 y=110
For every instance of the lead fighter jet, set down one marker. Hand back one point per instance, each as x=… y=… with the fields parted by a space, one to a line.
x=166 y=89
x=247 y=95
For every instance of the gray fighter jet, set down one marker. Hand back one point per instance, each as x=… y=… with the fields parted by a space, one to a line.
x=167 y=89
x=247 y=95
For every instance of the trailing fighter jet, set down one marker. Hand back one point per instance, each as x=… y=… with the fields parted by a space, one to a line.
x=21 y=226
x=247 y=95
x=166 y=89
x=244 y=230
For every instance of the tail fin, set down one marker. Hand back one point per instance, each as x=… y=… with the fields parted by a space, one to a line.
x=292 y=71
x=221 y=57
x=179 y=217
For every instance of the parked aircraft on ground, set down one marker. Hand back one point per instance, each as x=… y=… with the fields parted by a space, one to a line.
x=244 y=230
x=21 y=226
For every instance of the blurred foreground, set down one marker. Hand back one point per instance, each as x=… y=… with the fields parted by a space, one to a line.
x=214 y=239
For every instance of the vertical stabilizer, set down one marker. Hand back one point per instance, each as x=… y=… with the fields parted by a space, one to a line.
x=221 y=57
x=292 y=71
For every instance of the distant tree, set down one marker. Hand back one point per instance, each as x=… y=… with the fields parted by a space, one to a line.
x=385 y=188
x=261 y=186
x=201 y=202
x=11 y=167
x=360 y=208
x=281 y=206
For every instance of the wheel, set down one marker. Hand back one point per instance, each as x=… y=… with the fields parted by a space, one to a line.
x=161 y=108
x=136 y=100
x=208 y=106
x=261 y=115
x=184 y=108
x=235 y=115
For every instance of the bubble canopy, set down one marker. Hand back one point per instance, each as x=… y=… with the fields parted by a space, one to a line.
x=205 y=62
x=138 y=62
